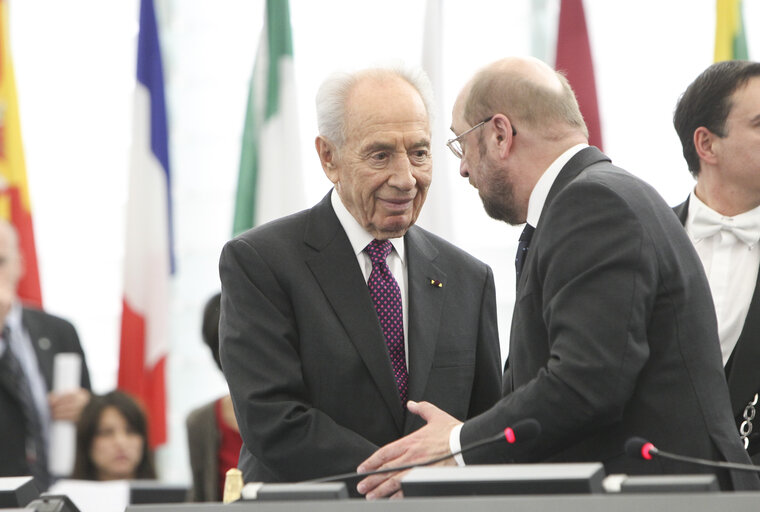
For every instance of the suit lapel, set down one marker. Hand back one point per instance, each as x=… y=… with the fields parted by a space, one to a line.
x=7 y=382
x=42 y=353
x=425 y=308
x=682 y=211
x=41 y=344
x=580 y=161
x=335 y=268
x=577 y=164
x=742 y=375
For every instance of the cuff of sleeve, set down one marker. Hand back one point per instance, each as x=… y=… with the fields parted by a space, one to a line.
x=455 y=444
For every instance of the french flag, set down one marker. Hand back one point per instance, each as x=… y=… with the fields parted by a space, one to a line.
x=149 y=259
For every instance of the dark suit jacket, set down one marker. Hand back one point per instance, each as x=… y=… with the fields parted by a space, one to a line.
x=50 y=335
x=742 y=368
x=305 y=357
x=613 y=334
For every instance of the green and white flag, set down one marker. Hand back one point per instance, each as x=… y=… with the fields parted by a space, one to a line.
x=270 y=183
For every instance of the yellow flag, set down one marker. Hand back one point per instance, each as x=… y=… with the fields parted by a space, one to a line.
x=730 y=40
x=15 y=205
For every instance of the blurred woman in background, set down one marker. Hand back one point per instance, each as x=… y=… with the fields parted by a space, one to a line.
x=212 y=431
x=112 y=440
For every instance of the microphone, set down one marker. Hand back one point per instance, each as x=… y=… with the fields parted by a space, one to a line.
x=522 y=431
x=640 y=448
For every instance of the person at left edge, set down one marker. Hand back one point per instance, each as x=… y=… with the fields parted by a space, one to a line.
x=302 y=346
x=33 y=338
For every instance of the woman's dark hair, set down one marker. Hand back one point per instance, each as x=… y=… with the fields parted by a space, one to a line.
x=210 y=326
x=87 y=428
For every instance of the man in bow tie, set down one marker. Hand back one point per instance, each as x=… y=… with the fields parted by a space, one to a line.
x=718 y=121
x=335 y=321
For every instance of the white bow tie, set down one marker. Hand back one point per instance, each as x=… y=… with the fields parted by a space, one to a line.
x=707 y=223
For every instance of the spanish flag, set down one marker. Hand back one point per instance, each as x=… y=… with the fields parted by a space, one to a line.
x=730 y=39
x=15 y=205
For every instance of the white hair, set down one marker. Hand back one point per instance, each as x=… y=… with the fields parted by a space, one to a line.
x=333 y=93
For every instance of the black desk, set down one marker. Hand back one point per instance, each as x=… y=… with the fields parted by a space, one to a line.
x=675 y=502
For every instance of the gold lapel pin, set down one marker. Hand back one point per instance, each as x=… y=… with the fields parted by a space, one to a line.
x=436 y=282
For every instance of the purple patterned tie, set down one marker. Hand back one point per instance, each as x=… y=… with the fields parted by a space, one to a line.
x=386 y=295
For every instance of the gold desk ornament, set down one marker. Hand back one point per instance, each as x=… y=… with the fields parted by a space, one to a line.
x=233 y=485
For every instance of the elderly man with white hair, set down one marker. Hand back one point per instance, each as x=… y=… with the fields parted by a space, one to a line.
x=335 y=317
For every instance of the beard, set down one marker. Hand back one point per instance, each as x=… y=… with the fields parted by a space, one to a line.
x=498 y=195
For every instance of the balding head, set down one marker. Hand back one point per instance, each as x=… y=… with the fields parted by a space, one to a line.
x=526 y=115
x=529 y=92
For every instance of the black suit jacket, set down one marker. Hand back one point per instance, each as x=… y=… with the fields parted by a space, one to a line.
x=50 y=335
x=613 y=334
x=305 y=357
x=742 y=367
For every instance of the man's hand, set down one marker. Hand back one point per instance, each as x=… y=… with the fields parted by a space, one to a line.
x=429 y=442
x=67 y=406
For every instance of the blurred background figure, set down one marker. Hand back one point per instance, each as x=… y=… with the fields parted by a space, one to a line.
x=212 y=430
x=112 y=440
x=29 y=343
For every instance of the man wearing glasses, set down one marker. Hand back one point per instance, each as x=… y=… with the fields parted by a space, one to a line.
x=335 y=317
x=613 y=333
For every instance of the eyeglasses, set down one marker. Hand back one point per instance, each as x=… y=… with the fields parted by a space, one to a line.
x=455 y=144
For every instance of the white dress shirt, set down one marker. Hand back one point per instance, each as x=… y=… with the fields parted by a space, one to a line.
x=535 y=205
x=731 y=265
x=396 y=260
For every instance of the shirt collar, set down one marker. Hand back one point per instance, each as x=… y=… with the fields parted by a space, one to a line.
x=699 y=212
x=543 y=186
x=697 y=207
x=357 y=235
x=13 y=319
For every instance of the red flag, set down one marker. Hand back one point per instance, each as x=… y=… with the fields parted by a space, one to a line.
x=15 y=206
x=574 y=59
